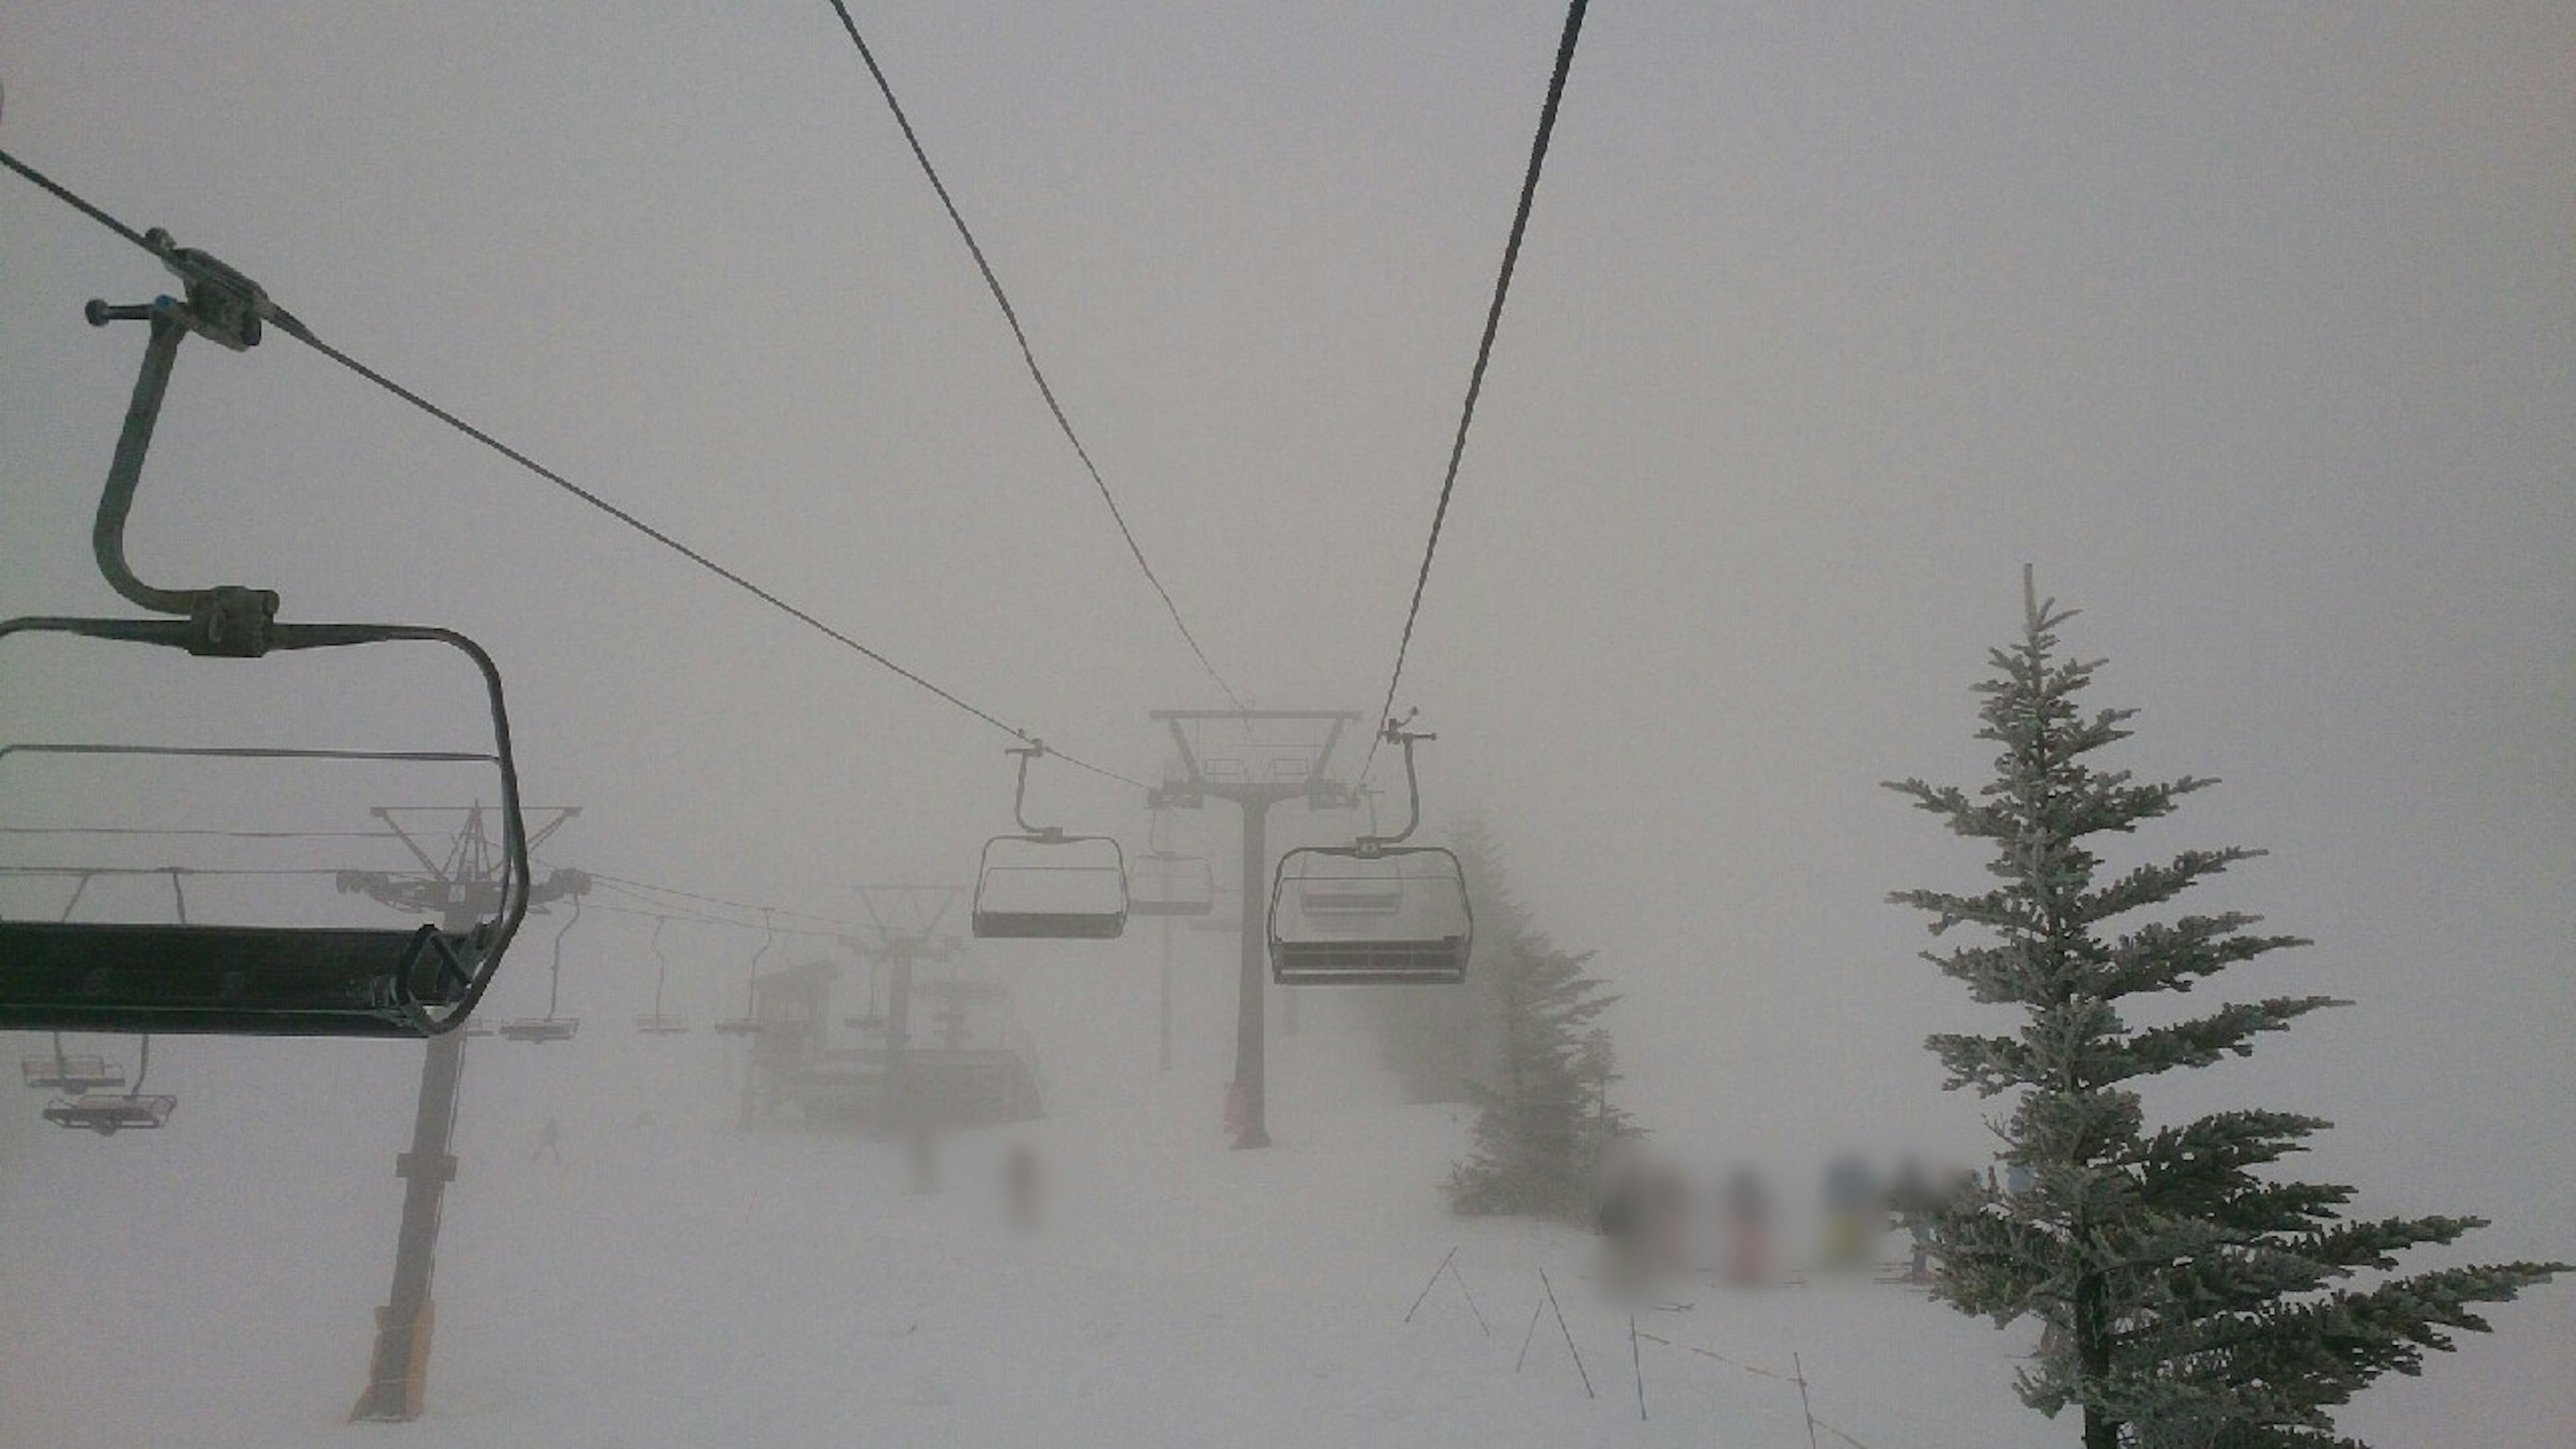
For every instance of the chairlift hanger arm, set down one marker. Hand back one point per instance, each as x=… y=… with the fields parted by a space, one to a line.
x=226 y=307
x=1396 y=733
x=1020 y=794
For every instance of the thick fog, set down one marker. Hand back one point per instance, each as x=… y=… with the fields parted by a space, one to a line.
x=2249 y=331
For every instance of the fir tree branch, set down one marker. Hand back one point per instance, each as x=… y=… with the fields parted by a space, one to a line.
x=2230 y=1030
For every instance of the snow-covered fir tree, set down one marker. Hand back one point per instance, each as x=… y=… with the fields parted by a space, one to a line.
x=2194 y=1299
x=1542 y=1120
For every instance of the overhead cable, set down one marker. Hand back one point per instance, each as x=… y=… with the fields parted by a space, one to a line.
x=305 y=335
x=1010 y=314
x=1484 y=354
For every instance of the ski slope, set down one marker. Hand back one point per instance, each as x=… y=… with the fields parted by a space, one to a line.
x=672 y=1280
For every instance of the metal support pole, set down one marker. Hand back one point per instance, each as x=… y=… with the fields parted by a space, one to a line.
x=898 y=1035
x=1248 y=1044
x=398 y=1373
x=398 y=1369
x=1163 y=1056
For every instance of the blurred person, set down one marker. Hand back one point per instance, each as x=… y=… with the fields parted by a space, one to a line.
x=1745 y=1210
x=1644 y=1222
x=1854 y=1214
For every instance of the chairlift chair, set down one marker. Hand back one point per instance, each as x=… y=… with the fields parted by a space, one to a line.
x=660 y=1022
x=78 y=1073
x=108 y=1113
x=551 y=1026
x=244 y=980
x=1375 y=912
x=1047 y=885
x=1166 y=882
x=748 y=1024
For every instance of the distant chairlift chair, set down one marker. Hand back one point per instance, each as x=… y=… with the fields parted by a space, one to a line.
x=108 y=1113
x=748 y=1024
x=1375 y=912
x=552 y=1027
x=660 y=1023
x=1047 y=885
x=243 y=980
x=1167 y=882
x=73 y=1072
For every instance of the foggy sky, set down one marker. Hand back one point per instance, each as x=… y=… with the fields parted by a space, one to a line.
x=2251 y=330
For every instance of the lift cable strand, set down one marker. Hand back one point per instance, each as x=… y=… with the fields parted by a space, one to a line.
x=1010 y=314
x=1484 y=354
x=305 y=335
x=632 y=887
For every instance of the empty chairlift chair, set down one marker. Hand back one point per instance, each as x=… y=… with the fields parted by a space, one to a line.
x=748 y=1024
x=552 y=1026
x=108 y=1113
x=1047 y=885
x=247 y=980
x=660 y=1023
x=1375 y=912
x=77 y=1073
x=1167 y=882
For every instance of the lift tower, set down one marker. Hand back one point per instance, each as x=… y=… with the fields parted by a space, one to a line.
x=906 y=921
x=459 y=885
x=1253 y=787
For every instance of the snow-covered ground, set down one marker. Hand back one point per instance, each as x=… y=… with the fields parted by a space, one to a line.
x=674 y=1281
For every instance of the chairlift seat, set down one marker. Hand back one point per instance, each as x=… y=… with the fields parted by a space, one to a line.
x=256 y=980
x=738 y=1026
x=263 y=980
x=1069 y=888
x=110 y=1113
x=1331 y=922
x=541 y=1028
x=70 y=1073
x=661 y=1025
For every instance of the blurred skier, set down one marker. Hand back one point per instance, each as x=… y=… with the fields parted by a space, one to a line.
x=1854 y=1215
x=1746 y=1209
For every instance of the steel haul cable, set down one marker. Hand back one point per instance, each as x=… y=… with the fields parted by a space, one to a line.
x=301 y=333
x=1484 y=354
x=1028 y=355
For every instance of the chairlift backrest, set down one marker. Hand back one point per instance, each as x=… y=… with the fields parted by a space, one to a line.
x=1164 y=883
